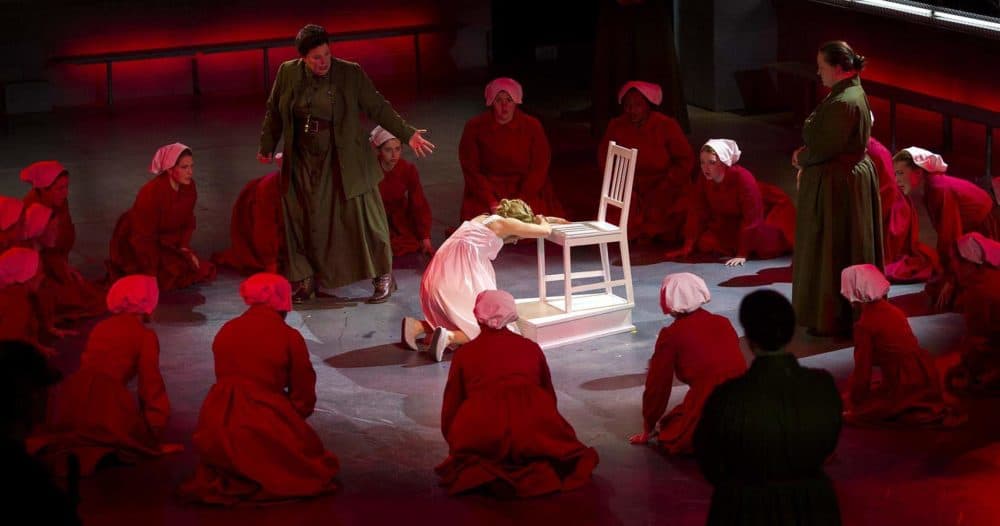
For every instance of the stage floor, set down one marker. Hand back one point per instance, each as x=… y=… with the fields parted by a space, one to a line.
x=379 y=404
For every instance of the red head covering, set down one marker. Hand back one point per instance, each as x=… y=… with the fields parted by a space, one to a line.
x=511 y=86
x=265 y=288
x=166 y=157
x=137 y=293
x=683 y=292
x=863 y=283
x=495 y=308
x=42 y=174
x=36 y=218
x=10 y=211
x=652 y=92
x=18 y=265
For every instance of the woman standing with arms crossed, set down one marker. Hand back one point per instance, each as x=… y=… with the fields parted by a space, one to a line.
x=838 y=221
x=335 y=224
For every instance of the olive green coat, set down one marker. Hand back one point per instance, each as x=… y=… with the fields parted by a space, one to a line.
x=839 y=212
x=335 y=223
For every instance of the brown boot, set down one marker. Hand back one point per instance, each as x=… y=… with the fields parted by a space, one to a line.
x=385 y=285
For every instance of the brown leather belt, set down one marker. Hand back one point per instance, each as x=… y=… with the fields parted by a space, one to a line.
x=310 y=125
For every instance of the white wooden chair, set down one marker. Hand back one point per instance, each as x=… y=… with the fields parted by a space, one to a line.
x=619 y=172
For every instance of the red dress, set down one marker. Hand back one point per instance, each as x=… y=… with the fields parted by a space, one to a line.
x=910 y=390
x=252 y=435
x=907 y=260
x=506 y=161
x=731 y=218
x=64 y=293
x=149 y=237
x=979 y=300
x=704 y=351
x=406 y=207
x=662 y=174
x=20 y=316
x=501 y=423
x=256 y=228
x=93 y=414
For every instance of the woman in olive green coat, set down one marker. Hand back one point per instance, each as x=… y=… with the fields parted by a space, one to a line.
x=838 y=221
x=336 y=229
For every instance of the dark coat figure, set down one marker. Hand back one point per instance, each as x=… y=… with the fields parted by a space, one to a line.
x=763 y=438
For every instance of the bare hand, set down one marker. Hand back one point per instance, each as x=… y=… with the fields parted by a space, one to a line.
x=556 y=220
x=420 y=146
x=265 y=159
x=795 y=156
x=541 y=220
x=46 y=351
x=192 y=257
x=736 y=262
x=943 y=300
x=798 y=179
x=639 y=439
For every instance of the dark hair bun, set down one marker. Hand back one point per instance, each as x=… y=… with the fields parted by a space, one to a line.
x=859 y=62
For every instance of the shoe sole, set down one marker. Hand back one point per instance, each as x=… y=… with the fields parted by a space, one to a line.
x=410 y=343
x=437 y=346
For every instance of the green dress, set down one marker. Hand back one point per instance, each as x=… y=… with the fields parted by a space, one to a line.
x=335 y=224
x=838 y=210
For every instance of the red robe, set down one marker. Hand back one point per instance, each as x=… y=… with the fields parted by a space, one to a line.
x=501 y=423
x=252 y=435
x=731 y=218
x=506 y=161
x=92 y=414
x=662 y=174
x=907 y=260
x=910 y=390
x=64 y=294
x=406 y=207
x=256 y=228
x=149 y=237
x=20 y=316
x=979 y=300
x=704 y=350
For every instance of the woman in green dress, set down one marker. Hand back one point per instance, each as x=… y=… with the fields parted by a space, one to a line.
x=336 y=231
x=838 y=222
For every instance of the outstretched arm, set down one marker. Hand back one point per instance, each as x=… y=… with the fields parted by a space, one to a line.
x=507 y=227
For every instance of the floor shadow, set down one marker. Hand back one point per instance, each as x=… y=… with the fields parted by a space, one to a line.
x=765 y=276
x=913 y=304
x=177 y=308
x=380 y=356
x=614 y=383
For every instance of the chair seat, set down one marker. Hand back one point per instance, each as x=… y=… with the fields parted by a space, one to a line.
x=581 y=230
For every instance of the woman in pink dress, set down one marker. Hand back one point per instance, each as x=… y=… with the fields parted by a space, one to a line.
x=462 y=268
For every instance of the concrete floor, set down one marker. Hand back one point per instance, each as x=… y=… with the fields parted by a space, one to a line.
x=379 y=404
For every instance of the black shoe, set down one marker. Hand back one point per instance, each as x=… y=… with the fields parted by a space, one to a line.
x=304 y=290
x=385 y=285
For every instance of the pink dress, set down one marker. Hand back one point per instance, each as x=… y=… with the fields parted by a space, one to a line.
x=460 y=269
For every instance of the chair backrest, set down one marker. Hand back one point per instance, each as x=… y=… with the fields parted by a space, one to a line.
x=619 y=172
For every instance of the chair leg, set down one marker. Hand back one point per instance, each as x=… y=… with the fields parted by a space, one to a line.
x=606 y=267
x=541 y=271
x=567 y=279
x=627 y=269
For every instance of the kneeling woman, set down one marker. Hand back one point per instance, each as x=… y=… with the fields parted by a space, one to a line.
x=154 y=236
x=734 y=215
x=499 y=414
x=955 y=207
x=701 y=347
x=462 y=268
x=252 y=435
x=93 y=414
x=909 y=393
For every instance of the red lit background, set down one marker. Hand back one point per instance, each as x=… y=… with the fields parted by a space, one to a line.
x=116 y=26
x=938 y=62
